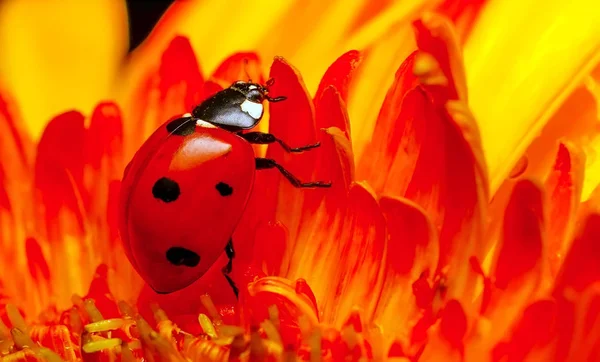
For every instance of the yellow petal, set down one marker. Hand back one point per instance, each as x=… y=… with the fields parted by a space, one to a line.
x=60 y=54
x=523 y=59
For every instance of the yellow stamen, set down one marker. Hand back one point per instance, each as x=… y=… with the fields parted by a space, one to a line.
x=105 y=325
x=92 y=311
x=271 y=332
x=207 y=325
x=100 y=345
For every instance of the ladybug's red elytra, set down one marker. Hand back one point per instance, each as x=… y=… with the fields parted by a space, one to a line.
x=186 y=188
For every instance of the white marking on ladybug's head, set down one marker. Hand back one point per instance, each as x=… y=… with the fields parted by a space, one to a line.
x=187 y=115
x=204 y=124
x=252 y=87
x=255 y=110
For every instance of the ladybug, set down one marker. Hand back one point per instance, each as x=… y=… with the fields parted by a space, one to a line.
x=186 y=188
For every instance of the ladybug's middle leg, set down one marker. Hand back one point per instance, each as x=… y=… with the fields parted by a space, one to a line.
x=229 y=266
x=267 y=163
x=261 y=138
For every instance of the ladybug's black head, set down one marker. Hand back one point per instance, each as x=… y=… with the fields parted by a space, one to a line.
x=253 y=91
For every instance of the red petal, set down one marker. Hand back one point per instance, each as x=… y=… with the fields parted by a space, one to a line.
x=12 y=137
x=210 y=88
x=239 y=66
x=536 y=328
x=521 y=249
x=270 y=248
x=179 y=65
x=172 y=89
x=412 y=244
x=292 y=121
x=112 y=211
x=564 y=185
x=38 y=266
x=339 y=74
x=59 y=168
x=100 y=292
x=105 y=139
x=581 y=267
x=453 y=326
x=331 y=111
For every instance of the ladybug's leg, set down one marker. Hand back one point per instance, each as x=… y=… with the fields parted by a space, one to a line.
x=267 y=163
x=265 y=138
x=227 y=268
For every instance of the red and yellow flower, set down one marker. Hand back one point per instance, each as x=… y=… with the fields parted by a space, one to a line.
x=463 y=220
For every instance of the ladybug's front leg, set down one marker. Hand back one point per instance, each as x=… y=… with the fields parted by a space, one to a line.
x=261 y=138
x=229 y=266
x=267 y=163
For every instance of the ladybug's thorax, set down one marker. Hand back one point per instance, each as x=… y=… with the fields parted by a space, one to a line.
x=235 y=108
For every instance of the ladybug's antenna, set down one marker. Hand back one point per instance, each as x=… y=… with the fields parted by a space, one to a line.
x=268 y=84
x=246 y=70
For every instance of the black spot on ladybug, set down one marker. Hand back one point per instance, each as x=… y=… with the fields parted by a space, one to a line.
x=224 y=189
x=182 y=256
x=182 y=126
x=166 y=189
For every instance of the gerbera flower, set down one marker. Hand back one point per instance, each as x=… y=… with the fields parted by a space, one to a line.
x=448 y=234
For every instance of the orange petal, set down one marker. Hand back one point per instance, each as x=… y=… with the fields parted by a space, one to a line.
x=339 y=74
x=513 y=97
x=292 y=304
x=561 y=128
x=358 y=273
x=520 y=271
x=412 y=250
x=4 y=200
x=38 y=266
x=239 y=66
x=436 y=37
x=170 y=89
x=59 y=171
x=564 y=185
x=581 y=339
x=322 y=213
x=15 y=152
x=398 y=133
x=463 y=14
x=463 y=193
